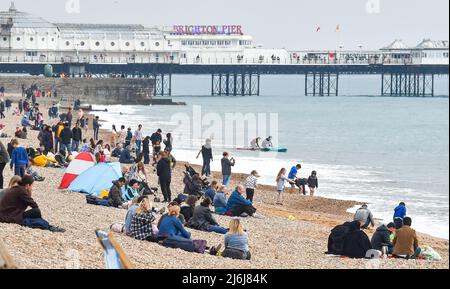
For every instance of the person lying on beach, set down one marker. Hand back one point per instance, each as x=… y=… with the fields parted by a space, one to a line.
x=364 y=214
x=238 y=206
x=203 y=220
x=236 y=241
x=14 y=205
x=61 y=159
x=220 y=201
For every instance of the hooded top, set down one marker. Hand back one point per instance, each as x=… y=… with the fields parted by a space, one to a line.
x=381 y=236
x=356 y=242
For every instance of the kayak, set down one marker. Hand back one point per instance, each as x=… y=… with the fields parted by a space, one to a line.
x=278 y=150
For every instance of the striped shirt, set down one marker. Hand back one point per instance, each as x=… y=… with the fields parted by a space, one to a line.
x=250 y=182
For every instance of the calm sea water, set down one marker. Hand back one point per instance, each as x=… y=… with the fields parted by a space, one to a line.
x=380 y=150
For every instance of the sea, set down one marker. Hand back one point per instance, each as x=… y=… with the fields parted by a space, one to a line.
x=364 y=147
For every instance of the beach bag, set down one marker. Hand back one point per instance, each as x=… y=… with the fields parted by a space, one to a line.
x=36 y=224
x=179 y=243
x=91 y=200
x=429 y=253
x=373 y=254
x=200 y=246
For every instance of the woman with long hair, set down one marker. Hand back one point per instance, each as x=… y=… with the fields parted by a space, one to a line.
x=281 y=180
x=236 y=241
x=142 y=224
x=114 y=136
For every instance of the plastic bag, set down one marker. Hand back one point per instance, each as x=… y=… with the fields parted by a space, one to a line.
x=430 y=254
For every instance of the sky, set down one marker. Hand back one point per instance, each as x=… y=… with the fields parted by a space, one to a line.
x=290 y=24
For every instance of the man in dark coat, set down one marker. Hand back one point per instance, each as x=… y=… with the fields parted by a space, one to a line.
x=115 y=193
x=356 y=242
x=164 y=173
x=382 y=237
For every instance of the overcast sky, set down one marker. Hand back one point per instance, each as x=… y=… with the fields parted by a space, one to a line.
x=274 y=23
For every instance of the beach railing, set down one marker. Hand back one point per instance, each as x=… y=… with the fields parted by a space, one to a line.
x=115 y=257
x=6 y=261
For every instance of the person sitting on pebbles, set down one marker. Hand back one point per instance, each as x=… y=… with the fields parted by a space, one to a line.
x=239 y=206
x=14 y=205
x=115 y=194
x=236 y=241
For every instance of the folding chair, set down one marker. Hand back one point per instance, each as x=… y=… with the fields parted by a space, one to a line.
x=115 y=257
x=6 y=261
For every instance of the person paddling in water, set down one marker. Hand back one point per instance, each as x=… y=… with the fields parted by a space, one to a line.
x=254 y=144
x=267 y=143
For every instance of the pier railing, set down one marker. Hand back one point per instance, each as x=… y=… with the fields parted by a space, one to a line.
x=205 y=61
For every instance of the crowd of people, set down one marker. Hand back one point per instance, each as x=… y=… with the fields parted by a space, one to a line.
x=195 y=208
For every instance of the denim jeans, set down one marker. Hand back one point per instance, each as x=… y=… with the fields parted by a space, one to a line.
x=138 y=145
x=64 y=147
x=19 y=171
x=226 y=180
x=218 y=230
x=75 y=145
x=206 y=169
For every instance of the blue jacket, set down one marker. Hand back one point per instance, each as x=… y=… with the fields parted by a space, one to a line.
x=171 y=226
x=125 y=157
x=220 y=200
x=293 y=173
x=400 y=212
x=210 y=193
x=237 y=200
x=19 y=157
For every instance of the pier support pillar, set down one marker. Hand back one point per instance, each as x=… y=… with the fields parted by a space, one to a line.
x=407 y=84
x=244 y=84
x=321 y=84
x=163 y=84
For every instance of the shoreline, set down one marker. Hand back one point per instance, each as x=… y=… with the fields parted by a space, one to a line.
x=277 y=242
x=240 y=177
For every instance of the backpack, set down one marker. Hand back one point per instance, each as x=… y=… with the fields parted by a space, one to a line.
x=336 y=239
x=200 y=246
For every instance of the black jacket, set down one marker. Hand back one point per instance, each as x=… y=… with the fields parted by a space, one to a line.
x=313 y=182
x=187 y=212
x=356 y=242
x=146 y=146
x=163 y=169
x=156 y=137
x=226 y=166
x=77 y=134
x=380 y=237
x=207 y=154
x=202 y=219
x=66 y=136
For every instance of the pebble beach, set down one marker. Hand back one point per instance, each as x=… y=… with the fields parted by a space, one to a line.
x=293 y=236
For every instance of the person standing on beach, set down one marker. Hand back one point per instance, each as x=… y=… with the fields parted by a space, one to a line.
x=128 y=137
x=281 y=180
x=19 y=159
x=227 y=163
x=66 y=139
x=313 y=183
x=250 y=185
x=2 y=109
x=207 y=155
x=156 y=137
x=96 y=126
x=293 y=177
x=146 y=150
x=20 y=106
x=164 y=173
x=138 y=138
x=4 y=159
x=69 y=117
x=77 y=136
x=114 y=136
x=122 y=135
x=399 y=215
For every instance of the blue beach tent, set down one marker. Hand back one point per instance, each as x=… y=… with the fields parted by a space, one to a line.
x=97 y=179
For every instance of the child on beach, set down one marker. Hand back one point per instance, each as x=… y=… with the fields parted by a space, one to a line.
x=281 y=180
x=313 y=183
